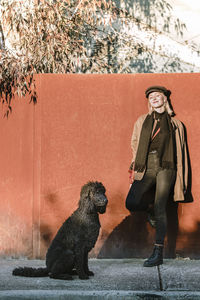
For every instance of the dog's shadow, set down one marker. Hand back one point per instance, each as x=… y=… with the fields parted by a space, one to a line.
x=134 y=237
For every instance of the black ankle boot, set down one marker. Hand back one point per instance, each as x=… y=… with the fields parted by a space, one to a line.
x=156 y=258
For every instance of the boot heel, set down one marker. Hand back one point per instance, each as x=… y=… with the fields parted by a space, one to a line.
x=156 y=258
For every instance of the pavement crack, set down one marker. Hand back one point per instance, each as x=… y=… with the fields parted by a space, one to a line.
x=160 y=278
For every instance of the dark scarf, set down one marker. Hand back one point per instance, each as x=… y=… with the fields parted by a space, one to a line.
x=166 y=141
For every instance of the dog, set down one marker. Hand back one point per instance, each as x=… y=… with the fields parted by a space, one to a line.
x=68 y=252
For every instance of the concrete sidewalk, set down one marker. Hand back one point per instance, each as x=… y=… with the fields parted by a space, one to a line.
x=114 y=279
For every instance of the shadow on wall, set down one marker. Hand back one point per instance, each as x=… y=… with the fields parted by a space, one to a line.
x=46 y=234
x=51 y=221
x=129 y=239
x=134 y=237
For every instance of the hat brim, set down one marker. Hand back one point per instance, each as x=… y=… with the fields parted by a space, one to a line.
x=159 y=89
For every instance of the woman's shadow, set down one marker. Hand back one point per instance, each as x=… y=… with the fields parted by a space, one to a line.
x=134 y=237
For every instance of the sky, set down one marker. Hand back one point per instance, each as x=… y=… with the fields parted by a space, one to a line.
x=188 y=11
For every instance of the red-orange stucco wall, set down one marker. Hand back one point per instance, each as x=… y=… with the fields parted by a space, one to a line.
x=80 y=130
x=16 y=181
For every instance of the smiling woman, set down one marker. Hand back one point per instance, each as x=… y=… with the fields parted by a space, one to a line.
x=159 y=158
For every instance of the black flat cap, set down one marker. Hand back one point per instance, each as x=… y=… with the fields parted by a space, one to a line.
x=157 y=88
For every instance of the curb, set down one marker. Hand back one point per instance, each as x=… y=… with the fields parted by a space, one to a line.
x=100 y=295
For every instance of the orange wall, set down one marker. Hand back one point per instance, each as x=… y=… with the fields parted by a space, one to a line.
x=80 y=130
x=16 y=181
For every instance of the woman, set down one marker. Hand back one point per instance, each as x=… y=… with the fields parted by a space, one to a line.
x=160 y=159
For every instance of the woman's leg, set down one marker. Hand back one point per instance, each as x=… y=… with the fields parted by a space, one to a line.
x=138 y=188
x=164 y=182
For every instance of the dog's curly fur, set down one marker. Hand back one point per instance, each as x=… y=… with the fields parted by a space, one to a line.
x=68 y=252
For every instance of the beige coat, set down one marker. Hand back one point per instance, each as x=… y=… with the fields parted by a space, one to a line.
x=181 y=182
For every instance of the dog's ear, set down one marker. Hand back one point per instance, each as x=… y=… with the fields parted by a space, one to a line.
x=85 y=202
x=85 y=191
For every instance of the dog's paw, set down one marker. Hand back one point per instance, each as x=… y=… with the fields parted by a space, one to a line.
x=90 y=273
x=83 y=277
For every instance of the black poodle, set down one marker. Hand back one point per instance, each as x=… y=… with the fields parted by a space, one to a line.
x=68 y=252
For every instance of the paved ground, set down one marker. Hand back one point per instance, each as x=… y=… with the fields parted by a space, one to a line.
x=114 y=279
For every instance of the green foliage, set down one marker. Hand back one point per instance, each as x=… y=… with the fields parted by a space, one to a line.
x=70 y=36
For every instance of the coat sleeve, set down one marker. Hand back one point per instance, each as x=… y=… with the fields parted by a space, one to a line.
x=135 y=136
x=185 y=160
x=184 y=156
